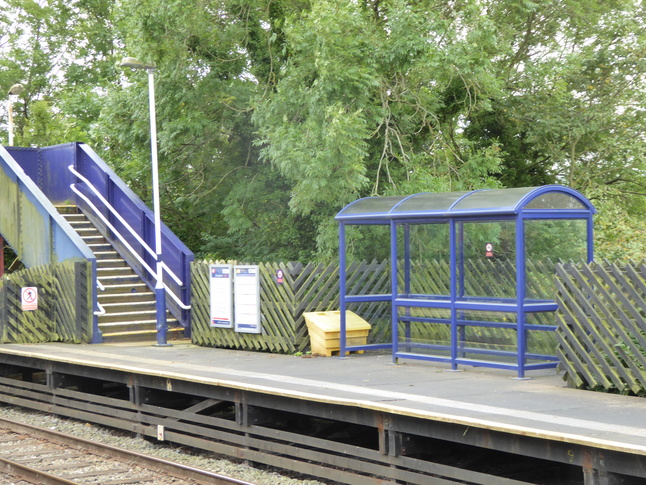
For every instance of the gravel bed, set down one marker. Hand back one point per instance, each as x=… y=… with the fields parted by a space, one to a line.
x=176 y=453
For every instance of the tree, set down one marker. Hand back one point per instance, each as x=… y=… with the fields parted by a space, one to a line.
x=60 y=52
x=274 y=115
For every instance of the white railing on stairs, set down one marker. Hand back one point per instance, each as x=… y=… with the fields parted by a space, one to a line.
x=101 y=310
x=122 y=239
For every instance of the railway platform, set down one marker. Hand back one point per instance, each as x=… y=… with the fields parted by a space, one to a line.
x=358 y=419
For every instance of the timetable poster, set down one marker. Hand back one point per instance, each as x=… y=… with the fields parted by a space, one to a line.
x=221 y=276
x=246 y=287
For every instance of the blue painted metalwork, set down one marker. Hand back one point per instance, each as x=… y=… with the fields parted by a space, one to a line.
x=47 y=168
x=175 y=255
x=518 y=205
x=342 y=289
x=33 y=179
x=30 y=223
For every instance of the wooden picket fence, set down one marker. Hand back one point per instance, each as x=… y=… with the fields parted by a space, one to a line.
x=600 y=340
x=315 y=287
x=64 y=311
x=306 y=288
x=602 y=326
x=485 y=278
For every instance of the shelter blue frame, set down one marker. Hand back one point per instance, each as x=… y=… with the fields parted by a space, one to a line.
x=551 y=202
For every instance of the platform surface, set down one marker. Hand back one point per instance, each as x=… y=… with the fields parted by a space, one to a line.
x=542 y=407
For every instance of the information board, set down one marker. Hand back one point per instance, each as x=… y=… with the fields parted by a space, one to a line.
x=221 y=295
x=246 y=285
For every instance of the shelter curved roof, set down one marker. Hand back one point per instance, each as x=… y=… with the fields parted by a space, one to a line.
x=481 y=203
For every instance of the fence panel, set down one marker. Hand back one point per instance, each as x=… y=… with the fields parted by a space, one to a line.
x=64 y=311
x=602 y=327
x=305 y=288
x=315 y=287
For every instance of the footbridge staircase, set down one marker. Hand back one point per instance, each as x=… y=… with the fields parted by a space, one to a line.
x=64 y=202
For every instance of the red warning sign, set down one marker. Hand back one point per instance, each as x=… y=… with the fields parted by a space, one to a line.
x=29 y=298
x=489 y=250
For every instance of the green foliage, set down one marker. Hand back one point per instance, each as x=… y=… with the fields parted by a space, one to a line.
x=274 y=115
x=44 y=127
x=620 y=234
x=558 y=240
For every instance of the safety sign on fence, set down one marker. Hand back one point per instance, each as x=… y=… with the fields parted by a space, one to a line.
x=29 y=298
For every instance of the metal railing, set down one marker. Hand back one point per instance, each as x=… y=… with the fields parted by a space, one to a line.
x=101 y=310
x=123 y=241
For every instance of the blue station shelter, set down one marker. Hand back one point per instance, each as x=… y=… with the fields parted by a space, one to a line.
x=490 y=307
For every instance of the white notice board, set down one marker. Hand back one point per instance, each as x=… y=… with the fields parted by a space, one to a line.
x=221 y=277
x=246 y=287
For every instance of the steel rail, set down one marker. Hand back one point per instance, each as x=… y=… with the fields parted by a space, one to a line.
x=31 y=474
x=144 y=461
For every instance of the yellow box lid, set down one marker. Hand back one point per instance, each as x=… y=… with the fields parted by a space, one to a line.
x=330 y=321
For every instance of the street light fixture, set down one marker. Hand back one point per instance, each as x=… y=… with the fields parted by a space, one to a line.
x=15 y=90
x=160 y=292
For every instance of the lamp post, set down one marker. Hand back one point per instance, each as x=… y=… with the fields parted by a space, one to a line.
x=15 y=90
x=160 y=292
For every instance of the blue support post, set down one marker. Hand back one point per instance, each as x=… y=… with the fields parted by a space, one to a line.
x=590 y=242
x=342 y=290
x=454 y=293
x=520 y=296
x=160 y=314
x=407 y=267
x=394 y=290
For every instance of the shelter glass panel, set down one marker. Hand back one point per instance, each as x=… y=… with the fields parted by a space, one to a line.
x=367 y=242
x=493 y=199
x=488 y=341
x=555 y=200
x=425 y=330
x=429 y=202
x=372 y=205
x=540 y=343
x=428 y=270
x=548 y=241
x=540 y=319
x=486 y=259
x=378 y=315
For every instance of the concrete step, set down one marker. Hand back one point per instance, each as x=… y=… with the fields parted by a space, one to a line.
x=115 y=297
x=141 y=335
x=125 y=307
x=111 y=263
x=124 y=281
x=134 y=325
x=94 y=239
x=112 y=287
x=142 y=317
x=100 y=247
x=107 y=271
x=78 y=223
x=130 y=314
x=86 y=232
x=76 y=216
x=66 y=208
x=102 y=255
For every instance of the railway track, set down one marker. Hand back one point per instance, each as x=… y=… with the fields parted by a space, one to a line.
x=31 y=455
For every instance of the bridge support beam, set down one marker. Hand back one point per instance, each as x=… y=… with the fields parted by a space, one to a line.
x=1 y=256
